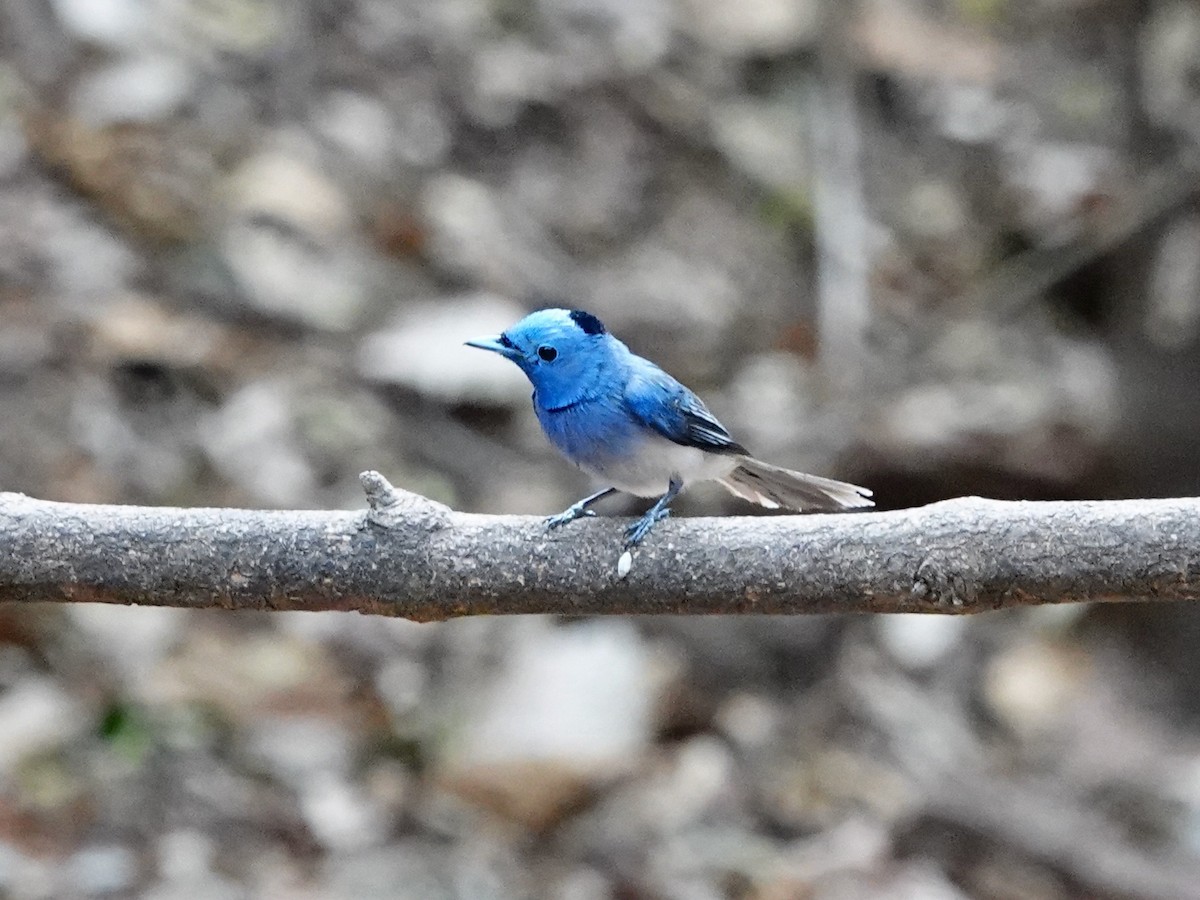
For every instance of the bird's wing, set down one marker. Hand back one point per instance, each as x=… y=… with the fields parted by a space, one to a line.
x=661 y=403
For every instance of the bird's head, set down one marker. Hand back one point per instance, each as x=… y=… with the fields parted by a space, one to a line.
x=566 y=354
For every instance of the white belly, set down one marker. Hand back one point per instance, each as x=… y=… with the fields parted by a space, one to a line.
x=648 y=472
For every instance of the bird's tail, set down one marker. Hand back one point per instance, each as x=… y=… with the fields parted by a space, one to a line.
x=773 y=487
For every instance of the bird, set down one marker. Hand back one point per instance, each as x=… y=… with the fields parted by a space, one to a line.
x=626 y=422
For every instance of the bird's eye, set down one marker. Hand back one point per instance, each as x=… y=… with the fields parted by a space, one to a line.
x=548 y=354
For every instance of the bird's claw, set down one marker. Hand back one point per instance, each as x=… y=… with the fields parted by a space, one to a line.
x=636 y=533
x=567 y=516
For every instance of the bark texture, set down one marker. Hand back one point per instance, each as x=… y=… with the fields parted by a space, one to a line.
x=409 y=556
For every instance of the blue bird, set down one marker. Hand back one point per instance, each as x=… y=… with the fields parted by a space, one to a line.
x=628 y=423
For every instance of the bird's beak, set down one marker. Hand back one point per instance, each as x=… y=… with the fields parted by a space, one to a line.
x=493 y=344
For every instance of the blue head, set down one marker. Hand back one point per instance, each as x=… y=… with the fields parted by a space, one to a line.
x=567 y=354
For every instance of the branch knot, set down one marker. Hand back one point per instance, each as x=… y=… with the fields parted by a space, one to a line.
x=390 y=506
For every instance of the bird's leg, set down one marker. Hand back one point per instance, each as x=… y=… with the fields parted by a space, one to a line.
x=637 y=532
x=578 y=510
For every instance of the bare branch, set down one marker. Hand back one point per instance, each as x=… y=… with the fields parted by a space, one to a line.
x=408 y=556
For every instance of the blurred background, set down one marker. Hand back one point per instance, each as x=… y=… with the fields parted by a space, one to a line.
x=936 y=247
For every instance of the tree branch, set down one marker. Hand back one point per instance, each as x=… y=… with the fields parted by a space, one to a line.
x=409 y=556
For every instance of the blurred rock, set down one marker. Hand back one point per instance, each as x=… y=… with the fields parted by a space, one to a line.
x=62 y=247
x=248 y=677
x=25 y=874
x=424 y=132
x=301 y=749
x=246 y=28
x=1032 y=684
x=357 y=125
x=1045 y=418
x=1170 y=55
x=473 y=236
x=972 y=113
x=1055 y=181
x=900 y=38
x=772 y=409
x=916 y=880
x=750 y=722
x=138 y=429
x=699 y=785
x=752 y=28
x=416 y=867
x=506 y=76
x=920 y=641
x=37 y=715
x=402 y=685
x=423 y=351
x=117 y=24
x=767 y=140
x=569 y=712
x=141 y=89
x=341 y=815
x=24 y=342
x=155 y=181
x=253 y=441
x=102 y=870
x=590 y=192
x=705 y=263
x=857 y=845
x=582 y=884
x=135 y=638
x=291 y=246
x=139 y=329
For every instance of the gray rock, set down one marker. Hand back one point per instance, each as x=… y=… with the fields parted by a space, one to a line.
x=37 y=715
x=413 y=868
x=569 y=711
x=423 y=130
x=252 y=440
x=918 y=642
x=102 y=870
x=134 y=638
x=1062 y=386
x=636 y=34
x=423 y=351
x=358 y=125
x=1054 y=179
x=300 y=749
x=472 y=235
x=766 y=139
x=506 y=76
x=699 y=781
x=1170 y=54
x=582 y=884
x=752 y=27
x=116 y=24
x=28 y=876
x=402 y=684
x=137 y=89
x=291 y=246
x=592 y=192
x=342 y=815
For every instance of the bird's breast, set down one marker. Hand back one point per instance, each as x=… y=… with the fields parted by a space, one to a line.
x=590 y=431
x=607 y=442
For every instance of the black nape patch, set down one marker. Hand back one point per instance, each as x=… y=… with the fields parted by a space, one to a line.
x=589 y=323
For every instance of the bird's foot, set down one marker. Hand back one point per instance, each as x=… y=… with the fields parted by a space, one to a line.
x=568 y=515
x=636 y=533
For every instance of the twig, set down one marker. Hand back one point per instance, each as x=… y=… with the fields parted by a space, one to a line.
x=408 y=556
